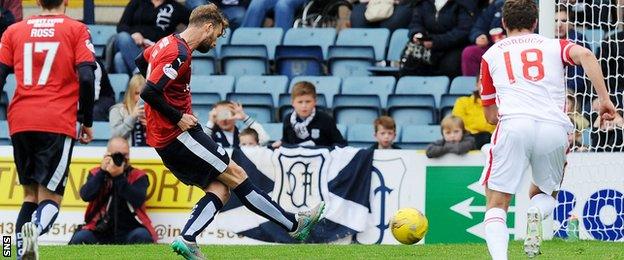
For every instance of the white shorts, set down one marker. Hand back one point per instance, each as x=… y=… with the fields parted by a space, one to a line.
x=518 y=143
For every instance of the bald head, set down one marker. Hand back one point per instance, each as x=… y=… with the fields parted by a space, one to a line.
x=118 y=145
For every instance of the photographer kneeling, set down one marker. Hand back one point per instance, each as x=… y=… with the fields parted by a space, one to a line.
x=116 y=194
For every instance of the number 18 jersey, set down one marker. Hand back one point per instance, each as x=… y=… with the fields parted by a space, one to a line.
x=524 y=76
x=45 y=51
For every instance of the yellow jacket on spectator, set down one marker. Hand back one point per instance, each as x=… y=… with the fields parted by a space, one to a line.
x=471 y=112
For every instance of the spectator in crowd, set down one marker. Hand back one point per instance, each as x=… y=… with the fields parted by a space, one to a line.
x=234 y=10
x=455 y=139
x=439 y=32
x=607 y=136
x=221 y=126
x=487 y=30
x=600 y=14
x=10 y=13
x=400 y=18
x=13 y=6
x=284 y=12
x=307 y=126
x=470 y=111
x=142 y=24
x=580 y=123
x=104 y=93
x=127 y=119
x=385 y=133
x=611 y=59
x=116 y=193
x=249 y=138
x=576 y=76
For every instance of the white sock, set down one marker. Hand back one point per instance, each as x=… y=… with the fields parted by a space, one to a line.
x=496 y=233
x=545 y=203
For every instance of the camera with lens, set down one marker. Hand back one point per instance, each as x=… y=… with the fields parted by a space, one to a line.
x=118 y=159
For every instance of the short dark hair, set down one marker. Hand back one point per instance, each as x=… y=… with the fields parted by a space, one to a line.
x=208 y=13
x=50 y=4
x=519 y=14
x=250 y=131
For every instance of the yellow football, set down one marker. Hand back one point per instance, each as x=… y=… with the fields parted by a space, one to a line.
x=409 y=226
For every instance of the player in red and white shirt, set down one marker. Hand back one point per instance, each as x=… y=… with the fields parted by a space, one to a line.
x=186 y=150
x=524 y=93
x=53 y=60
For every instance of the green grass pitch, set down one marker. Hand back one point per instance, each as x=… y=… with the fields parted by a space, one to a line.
x=551 y=250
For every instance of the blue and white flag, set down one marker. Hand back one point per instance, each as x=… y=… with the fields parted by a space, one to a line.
x=298 y=179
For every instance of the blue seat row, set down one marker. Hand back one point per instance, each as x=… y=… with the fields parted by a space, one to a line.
x=361 y=135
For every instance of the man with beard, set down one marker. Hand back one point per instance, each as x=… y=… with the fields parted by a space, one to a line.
x=186 y=150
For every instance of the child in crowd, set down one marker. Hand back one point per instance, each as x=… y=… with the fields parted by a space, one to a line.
x=221 y=126
x=306 y=126
x=385 y=133
x=455 y=140
x=470 y=111
x=248 y=138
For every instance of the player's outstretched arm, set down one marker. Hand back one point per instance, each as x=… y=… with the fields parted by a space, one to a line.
x=584 y=57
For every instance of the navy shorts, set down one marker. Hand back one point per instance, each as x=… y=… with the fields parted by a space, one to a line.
x=43 y=158
x=194 y=158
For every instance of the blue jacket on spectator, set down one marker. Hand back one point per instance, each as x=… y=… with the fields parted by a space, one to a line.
x=447 y=28
x=491 y=17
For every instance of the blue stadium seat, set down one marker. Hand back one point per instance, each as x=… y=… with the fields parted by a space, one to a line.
x=101 y=133
x=377 y=37
x=295 y=61
x=119 y=82
x=204 y=63
x=223 y=40
x=100 y=35
x=285 y=105
x=329 y=86
x=205 y=98
x=413 y=115
x=419 y=136
x=397 y=43
x=5 y=139
x=10 y=86
x=593 y=37
x=258 y=106
x=361 y=135
x=362 y=114
x=398 y=100
x=435 y=86
x=201 y=112
x=212 y=84
x=343 y=130
x=240 y=60
x=380 y=86
x=269 y=37
x=356 y=109
x=347 y=61
x=412 y=109
x=274 y=85
x=464 y=85
x=447 y=104
x=323 y=37
x=275 y=131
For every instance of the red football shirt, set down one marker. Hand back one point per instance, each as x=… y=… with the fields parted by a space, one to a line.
x=44 y=52
x=169 y=70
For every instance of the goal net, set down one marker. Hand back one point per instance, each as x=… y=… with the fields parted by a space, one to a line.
x=593 y=187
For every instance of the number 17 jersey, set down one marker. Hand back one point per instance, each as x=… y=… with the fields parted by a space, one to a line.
x=45 y=51
x=524 y=76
